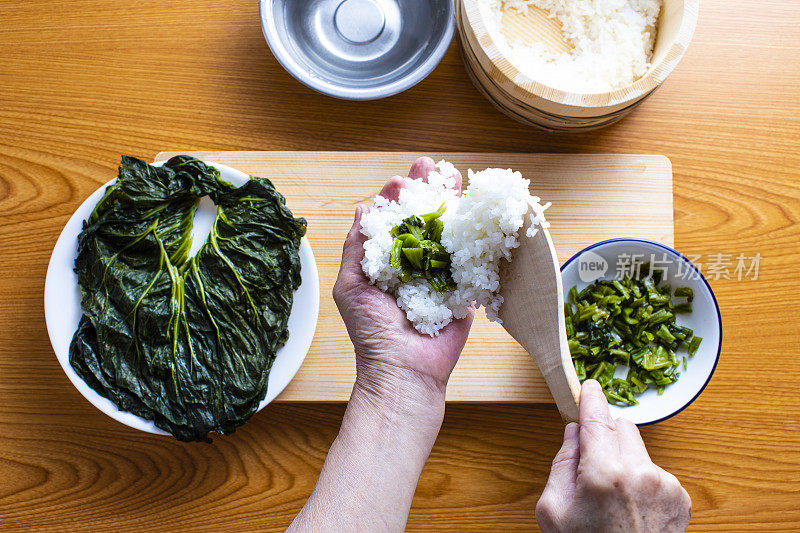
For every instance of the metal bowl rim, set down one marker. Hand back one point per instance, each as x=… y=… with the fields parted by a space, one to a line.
x=411 y=78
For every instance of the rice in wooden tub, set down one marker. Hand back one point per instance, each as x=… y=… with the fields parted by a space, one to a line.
x=572 y=65
x=611 y=42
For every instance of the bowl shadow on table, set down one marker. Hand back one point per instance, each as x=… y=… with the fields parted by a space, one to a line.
x=275 y=97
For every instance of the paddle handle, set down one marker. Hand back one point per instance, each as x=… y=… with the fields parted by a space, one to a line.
x=553 y=358
x=561 y=378
x=533 y=313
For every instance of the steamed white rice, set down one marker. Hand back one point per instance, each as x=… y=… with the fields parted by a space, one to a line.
x=480 y=229
x=612 y=42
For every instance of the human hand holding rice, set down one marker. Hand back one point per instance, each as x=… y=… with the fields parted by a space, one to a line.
x=388 y=348
x=397 y=404
x=415 y=265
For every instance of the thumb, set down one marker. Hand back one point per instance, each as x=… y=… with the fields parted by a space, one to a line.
x=353 y=249
x=350 y=274
x=561 y=482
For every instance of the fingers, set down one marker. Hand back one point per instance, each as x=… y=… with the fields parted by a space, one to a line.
x=558 y=493
x=631 y=445
x=459 y=181
x=391 y=190
x=424 y=165
x=565 y=465
x=458 y=329
x=597 y=428
x=421 y=168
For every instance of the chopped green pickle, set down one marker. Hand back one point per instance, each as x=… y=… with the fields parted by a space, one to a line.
x=418 y=253
x=629 y=322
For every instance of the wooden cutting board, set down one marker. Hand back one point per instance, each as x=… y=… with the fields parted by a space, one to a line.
x=594 y=197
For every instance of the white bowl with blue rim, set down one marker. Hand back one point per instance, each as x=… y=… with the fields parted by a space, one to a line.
x=613 y=258
x=62 y=303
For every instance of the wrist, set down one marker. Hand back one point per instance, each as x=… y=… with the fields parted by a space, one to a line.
x=400 y=395
x=372 y=468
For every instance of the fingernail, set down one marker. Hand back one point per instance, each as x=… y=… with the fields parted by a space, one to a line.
x=357 y=215
x=571 y=431
x=593 y=384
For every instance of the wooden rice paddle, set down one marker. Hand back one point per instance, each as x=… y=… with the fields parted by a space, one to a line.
x=533 y=313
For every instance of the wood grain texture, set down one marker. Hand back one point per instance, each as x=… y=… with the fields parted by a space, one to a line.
x=533 y=314
x=84 y=81
x=617 y=195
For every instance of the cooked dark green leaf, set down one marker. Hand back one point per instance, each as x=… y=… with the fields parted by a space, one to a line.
x=418 y=252
x=185 y=342
x=628 y=322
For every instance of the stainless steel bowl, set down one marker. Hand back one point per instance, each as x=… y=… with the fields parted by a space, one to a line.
x=358 y=49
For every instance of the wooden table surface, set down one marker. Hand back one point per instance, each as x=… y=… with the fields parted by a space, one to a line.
x=84 y=81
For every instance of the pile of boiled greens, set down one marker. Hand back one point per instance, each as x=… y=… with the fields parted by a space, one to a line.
x=187 y=342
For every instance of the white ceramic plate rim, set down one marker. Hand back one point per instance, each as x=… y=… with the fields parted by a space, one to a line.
x=62 y=310
x=700 y=282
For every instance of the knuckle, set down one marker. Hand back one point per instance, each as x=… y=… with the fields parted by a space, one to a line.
x=625 y=424
x=546 y=512
x=598 y=422
x=687 y=502
x=597 y=484
x=544 y=505
x=611 y=471
x=648 y=480
x=564 y=457
x=670 y=482
x=617 y=478
x=336 y=292
x=567 y=454
x=605 y=478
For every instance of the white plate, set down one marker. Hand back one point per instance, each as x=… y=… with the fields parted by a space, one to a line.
x=62 y=305
x=602 y=260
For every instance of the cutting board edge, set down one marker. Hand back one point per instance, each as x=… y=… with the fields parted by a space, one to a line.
x=166 y=154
